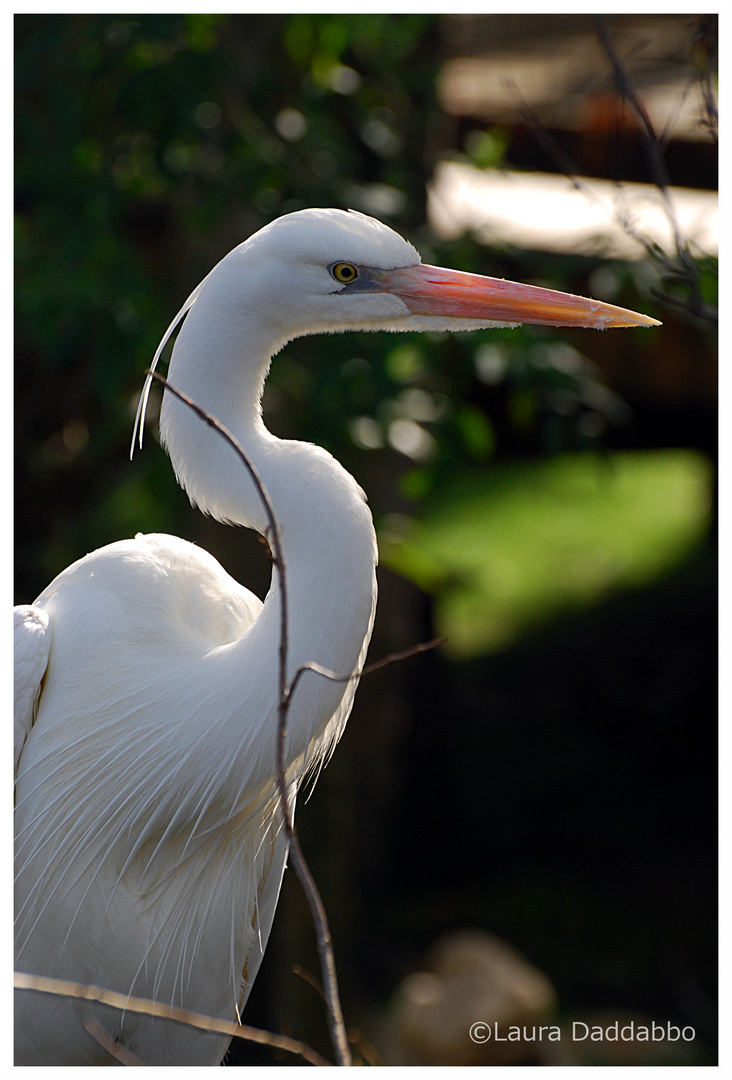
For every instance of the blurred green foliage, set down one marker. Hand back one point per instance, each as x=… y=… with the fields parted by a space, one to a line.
x=146 y=147
x=532 y=540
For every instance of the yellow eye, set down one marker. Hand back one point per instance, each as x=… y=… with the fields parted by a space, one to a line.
x=344 y=272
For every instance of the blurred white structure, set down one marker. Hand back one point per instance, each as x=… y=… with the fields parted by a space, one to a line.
x=548 y=212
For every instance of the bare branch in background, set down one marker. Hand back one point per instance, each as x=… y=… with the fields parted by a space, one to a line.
x=682 y=266
x=705 y=56
x=685 y=267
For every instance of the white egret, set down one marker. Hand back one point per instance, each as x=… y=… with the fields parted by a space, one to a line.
x=149 y=846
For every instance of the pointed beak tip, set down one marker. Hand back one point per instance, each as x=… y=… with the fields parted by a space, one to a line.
x=630 y=321
x=638 y=321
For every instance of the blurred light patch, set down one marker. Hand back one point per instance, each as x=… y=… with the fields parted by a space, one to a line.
x=555 y=80
x=65 y=445
x=208 y=115
x=379 y=200
x=410 y=439
x=344 y=80
x=545 y=212
x=291 y=124
x=508 y=548
x=366 y=433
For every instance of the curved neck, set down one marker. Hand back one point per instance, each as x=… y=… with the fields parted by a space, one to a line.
x=220 y=360
x=328 y=540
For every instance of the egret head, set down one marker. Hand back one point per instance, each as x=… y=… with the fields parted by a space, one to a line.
x=319 y=271
x=326 y=270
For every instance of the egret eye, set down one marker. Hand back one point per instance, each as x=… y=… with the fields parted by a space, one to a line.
x=344 y=272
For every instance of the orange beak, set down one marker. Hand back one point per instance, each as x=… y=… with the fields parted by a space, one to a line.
x=430 y=290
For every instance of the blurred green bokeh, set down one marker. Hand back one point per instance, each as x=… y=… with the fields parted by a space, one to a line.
x=512 y=547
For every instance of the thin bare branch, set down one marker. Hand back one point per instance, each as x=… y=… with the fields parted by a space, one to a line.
x=391 y=658
x=363 y=1048
x=705 y=51
x=62 y=987
x=336 y=1023
x=630 y=94
x=571 y=170
x=544 y=139
x=682 y=266
x=113 y=1046
x=309 y=978
x=654 y=148
x=707 y=312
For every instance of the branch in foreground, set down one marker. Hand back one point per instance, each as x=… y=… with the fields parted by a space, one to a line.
x=336 y=1023
x=46 y=985
x=368 y=669
x=113 y=1046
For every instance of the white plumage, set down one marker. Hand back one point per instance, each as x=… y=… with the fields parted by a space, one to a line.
x=149 y=843
x=32 y=645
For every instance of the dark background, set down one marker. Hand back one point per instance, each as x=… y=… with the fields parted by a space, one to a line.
x=559 y=793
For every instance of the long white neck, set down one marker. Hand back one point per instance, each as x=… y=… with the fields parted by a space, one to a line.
x=326 y=529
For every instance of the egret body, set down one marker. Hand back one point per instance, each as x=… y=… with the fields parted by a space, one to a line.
x=150 y=850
